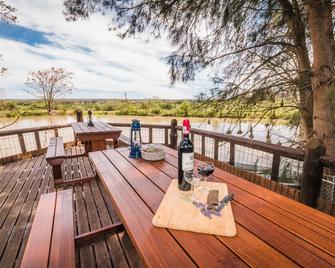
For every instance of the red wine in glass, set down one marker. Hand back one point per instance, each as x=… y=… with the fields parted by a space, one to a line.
x=205 y=170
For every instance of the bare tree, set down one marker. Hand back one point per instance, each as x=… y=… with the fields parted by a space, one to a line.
x=7 y=13
x=6 y=16
x=49 y=85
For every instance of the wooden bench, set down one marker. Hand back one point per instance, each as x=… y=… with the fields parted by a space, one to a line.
x=55 y=157
x=51 y=239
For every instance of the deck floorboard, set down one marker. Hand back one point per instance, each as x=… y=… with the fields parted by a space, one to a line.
x=21 y=185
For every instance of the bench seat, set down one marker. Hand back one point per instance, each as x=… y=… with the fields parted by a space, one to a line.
x=51 y=240
x=55 y=153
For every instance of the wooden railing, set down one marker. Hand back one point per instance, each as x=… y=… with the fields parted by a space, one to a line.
x=23 y=143
x=229 y=152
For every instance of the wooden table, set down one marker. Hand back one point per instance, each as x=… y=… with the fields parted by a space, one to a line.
x=272 y=230
x=94 y=137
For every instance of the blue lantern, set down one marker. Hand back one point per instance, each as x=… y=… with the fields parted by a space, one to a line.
x=135 y=139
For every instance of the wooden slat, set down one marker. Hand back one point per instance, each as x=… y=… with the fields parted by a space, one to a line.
x=37 y=250
x=156 y=246
x=62 y=252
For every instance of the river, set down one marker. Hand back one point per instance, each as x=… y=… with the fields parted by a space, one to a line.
x=279 y=132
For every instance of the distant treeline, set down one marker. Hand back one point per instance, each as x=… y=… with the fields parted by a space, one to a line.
x=148 y=107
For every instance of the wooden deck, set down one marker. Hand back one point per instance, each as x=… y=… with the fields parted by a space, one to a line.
x=21 y=185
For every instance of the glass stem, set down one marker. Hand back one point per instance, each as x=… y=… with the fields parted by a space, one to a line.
x=192 y=188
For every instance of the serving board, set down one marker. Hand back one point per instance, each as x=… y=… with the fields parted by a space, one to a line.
x=176 y=211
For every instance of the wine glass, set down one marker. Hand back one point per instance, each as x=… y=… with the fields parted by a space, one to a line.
x=205 y=170
x=192 y=179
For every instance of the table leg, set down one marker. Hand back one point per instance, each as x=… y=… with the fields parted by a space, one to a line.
x=98 y=145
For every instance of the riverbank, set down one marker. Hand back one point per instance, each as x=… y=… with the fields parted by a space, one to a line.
x=151 y=107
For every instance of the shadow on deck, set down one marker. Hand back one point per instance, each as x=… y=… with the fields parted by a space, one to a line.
x=21 y=185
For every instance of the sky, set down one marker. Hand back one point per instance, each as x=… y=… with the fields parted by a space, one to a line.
x=104 y=65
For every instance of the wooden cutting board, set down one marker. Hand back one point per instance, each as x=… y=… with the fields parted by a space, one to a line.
x=176 y=211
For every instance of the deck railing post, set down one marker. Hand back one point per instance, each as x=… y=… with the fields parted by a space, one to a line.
x=203 y=145
x=275 y=167
x=173 y=134
x=150 y=134
x=79 y=115
x=37 y=140
x=56 y=132
x=216 y=148
x=22 y=144
x=166 y=136
x=232 y=154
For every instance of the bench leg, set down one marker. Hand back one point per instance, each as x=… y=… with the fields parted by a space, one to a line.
x=96 y=234
x=115 y=143
x=57 y=172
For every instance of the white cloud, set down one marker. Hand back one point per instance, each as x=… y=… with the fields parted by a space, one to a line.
x=104 y=65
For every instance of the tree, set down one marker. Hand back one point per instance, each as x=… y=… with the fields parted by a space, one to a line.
x=49 y=85
x=7 y=13
x=257 y=49
x=6 y=16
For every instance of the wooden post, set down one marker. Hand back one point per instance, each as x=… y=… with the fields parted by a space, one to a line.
x=192 y=136
x=22 y=144
x=166 y=136
x=37 y=140
x=173 y=134
x=232 y=154
x=79 y=115
x=203 y=145
x=312 y=171
x=216 y=148
x=56 y=132
x=275 y=167
x=150 y=134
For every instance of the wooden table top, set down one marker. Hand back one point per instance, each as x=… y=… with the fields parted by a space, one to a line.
x=102 y=129
x=272 y=230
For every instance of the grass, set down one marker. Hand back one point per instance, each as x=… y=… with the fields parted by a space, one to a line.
x=153 y=107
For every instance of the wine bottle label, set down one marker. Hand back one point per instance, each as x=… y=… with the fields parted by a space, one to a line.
x=187 y=161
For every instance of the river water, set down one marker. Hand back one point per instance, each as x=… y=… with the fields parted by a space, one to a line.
x=278 y=133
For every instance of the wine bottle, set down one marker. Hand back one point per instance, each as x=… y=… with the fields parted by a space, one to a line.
x=185 y=158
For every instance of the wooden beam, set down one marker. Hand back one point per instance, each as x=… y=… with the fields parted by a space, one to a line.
x=76 y=181
x=75 y=155
x=275 y=167
x=37 y=140
x=203 y=145
x=150 y=135
x=232 y=154
x=22 y=144
x=216 y=148
x=88 y=237
x=166 y=136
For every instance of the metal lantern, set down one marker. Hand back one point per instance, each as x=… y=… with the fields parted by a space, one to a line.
x=135 y=139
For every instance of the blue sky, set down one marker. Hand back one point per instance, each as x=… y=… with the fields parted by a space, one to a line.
x=104 y=65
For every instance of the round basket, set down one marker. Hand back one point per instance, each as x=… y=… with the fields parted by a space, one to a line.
x=153 y=153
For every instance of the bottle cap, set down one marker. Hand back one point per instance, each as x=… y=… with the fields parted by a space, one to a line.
x=186 y=126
